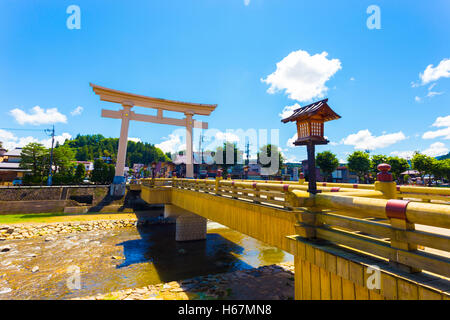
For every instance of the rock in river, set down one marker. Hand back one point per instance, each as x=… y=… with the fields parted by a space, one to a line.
x=5 y=248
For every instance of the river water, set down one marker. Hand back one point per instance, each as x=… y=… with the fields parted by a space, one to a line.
x=95 y=262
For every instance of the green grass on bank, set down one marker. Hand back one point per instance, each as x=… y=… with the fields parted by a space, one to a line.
x=59 y=217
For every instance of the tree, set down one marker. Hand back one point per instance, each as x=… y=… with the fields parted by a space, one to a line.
x=398 y=165
x=327 y=163
x=359 y=162
x=447 y=169
x=103 y=173
x=80 y=173
x=440 y=169
x=423 y=164
x=63 y=159
x=34 y=157
x=266 y=157
x=228 y=156
x=375 y=161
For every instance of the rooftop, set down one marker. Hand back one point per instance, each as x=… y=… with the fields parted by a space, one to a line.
x=317 y=107
x=14 y=153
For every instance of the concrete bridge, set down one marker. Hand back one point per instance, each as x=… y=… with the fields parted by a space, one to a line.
x=378 y=241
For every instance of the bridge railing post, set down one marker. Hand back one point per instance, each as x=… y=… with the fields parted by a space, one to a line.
x=217 y=184
x=396 y=212
x=174 y=181
x=301 y=178
x=306 y=223
x=233 y=190
x=384 y=182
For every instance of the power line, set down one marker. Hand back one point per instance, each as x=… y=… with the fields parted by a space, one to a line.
x=23 y=129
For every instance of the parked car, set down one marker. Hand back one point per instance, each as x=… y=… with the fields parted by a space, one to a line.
x=17 y=182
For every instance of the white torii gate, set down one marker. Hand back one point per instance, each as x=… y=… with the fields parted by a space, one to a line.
x=128 y=101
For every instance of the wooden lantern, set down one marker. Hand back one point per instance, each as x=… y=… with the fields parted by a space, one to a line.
x=310 y=120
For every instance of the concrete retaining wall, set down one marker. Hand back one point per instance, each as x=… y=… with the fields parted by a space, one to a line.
x=37 y=206
x=32 y=193
x=69 y=199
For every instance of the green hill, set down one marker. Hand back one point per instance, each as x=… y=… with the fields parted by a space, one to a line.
x=91 y=147
x=446 y=156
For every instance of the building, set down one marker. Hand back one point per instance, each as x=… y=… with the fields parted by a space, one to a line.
x=88 y=166
x=10 y=170
x=291 y=171
x=305 y=171
x=343 y=175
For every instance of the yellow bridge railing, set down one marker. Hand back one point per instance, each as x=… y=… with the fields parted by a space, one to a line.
x=413 y=236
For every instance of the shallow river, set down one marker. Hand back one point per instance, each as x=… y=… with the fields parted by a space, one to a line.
x=111 y=260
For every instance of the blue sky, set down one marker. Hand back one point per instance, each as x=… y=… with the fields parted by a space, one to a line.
x=390 y=85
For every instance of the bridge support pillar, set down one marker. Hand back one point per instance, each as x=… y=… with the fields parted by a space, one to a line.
x=189 y=226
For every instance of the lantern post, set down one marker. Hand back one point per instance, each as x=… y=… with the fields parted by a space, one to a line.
x=310 y=121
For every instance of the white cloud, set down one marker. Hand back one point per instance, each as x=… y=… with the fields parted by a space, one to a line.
x=403 y=154
x=436 y=149
x=288 y=110
x=172 y=144
x=289 y=158
x=440 y=122
x=445 y=133
x=433 y=93
x=417 y=99
x=352 y=79
x=442 y=70
x=38 y=116
x=303 y=76
x=364 y=140
x=246 y=2
x=134 y=139
x=290 y=142
x=10 y=141
x=226 y=136
x=77 y=111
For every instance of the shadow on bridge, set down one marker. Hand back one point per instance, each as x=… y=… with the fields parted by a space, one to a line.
x=131 y=200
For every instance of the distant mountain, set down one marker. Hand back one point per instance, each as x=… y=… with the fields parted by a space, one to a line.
x=446 y=156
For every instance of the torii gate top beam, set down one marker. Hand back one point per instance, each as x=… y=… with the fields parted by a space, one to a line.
x=126 y=98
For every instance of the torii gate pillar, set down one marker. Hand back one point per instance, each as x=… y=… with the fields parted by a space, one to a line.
x=189 y=153
x=118 y=185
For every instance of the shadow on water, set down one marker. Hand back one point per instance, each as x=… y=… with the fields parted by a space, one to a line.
x=174 y=260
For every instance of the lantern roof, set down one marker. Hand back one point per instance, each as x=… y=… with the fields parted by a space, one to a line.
x=320 y=108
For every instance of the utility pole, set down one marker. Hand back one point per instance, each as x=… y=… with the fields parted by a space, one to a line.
x=52 y=134
x=247 y=152
x=200 y=148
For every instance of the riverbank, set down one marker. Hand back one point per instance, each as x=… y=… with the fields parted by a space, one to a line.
x=18 y=227
x=273 y=282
